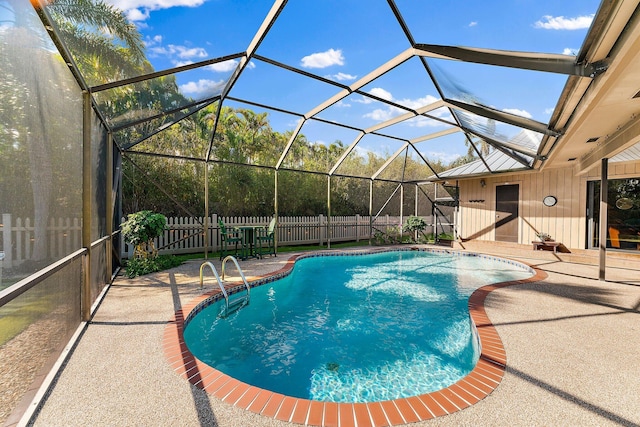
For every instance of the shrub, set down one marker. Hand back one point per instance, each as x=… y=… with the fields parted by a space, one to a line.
x=446 y=236
x=141 y=266
x=140 y=229
x=390 y=236
x=415 y=223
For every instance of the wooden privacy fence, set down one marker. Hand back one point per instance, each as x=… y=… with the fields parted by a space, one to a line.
x=185 y=234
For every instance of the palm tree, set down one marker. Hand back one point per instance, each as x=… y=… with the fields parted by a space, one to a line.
x=105 y=45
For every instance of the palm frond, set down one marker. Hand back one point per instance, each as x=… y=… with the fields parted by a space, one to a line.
x=102 y=17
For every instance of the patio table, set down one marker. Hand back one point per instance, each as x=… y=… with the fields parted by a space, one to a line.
x=249 y=233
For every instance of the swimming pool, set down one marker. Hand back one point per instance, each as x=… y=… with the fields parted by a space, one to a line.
x=392 y=325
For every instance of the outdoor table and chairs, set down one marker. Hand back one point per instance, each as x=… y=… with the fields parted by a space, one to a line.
x=249 y=240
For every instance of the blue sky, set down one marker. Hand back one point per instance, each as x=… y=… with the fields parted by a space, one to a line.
x=344 y=40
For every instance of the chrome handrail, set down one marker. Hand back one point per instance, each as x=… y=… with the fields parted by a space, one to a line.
x=235 y=261
x=215 y=273
x=219 y=280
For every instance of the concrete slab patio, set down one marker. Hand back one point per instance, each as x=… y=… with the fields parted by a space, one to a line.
x=572 y=345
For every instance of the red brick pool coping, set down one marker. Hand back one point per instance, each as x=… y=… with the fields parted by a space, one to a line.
x=480 y=382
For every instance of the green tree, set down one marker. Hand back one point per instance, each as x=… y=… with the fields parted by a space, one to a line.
x=48 y=101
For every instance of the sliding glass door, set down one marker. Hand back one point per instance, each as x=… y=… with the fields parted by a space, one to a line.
x=623 y=214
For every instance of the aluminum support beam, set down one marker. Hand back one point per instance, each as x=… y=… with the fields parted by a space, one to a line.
x=370 y=209
x=266 y=25
x=205 y=226
x=346 y=153
x=294 y=135
x=389 y=160
x=275 y=209
x=109 y=204
x=329 y=230
x=86 y=205
x=548 y=62
x=604 y=191
x=501 y=116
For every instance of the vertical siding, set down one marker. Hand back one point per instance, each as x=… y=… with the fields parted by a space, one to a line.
x=565 y=221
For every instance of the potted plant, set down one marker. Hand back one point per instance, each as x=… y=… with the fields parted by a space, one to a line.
x=544 y=237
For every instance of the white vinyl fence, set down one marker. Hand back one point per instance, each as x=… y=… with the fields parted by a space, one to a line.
x=185 y=234
x=17 y=237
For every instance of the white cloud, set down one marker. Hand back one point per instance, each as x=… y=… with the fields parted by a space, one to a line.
x=418 y=102
x=223 y=67
x=341 y=77
x=444 y=157
x=570 y=51
x=323 y=59
x=182 y=52
x=139 y=10
x=549 y=22
x=380 y=115
x=188 y=52
x=549 y=111
x=473 y=23
x=202 y=87
x=381 y=93
x=517 y=112
x=364 y=100
x=137 y=15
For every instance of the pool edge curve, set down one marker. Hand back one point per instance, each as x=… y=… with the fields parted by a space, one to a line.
x=478 y=384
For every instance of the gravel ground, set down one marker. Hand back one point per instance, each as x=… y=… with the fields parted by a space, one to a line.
x=571 y=344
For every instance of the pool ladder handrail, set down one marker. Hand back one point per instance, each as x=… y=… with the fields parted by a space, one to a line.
x=230 y=305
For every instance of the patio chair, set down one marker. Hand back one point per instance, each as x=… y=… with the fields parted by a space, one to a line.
x=230 y=237
x=614 y=236
x=265 y=239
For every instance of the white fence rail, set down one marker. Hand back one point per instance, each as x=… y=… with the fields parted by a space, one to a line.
x=17 y=238
x=185 y=234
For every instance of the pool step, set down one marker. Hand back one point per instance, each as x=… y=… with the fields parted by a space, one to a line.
x=234 y=305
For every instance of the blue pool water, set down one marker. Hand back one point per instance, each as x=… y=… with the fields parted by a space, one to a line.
x=353 y=328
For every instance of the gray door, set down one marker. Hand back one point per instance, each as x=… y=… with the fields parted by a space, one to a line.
x=507 y=197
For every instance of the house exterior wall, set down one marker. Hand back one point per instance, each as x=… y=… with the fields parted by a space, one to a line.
x=565 y=222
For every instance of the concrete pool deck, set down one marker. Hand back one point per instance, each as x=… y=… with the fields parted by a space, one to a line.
x=571 y=345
